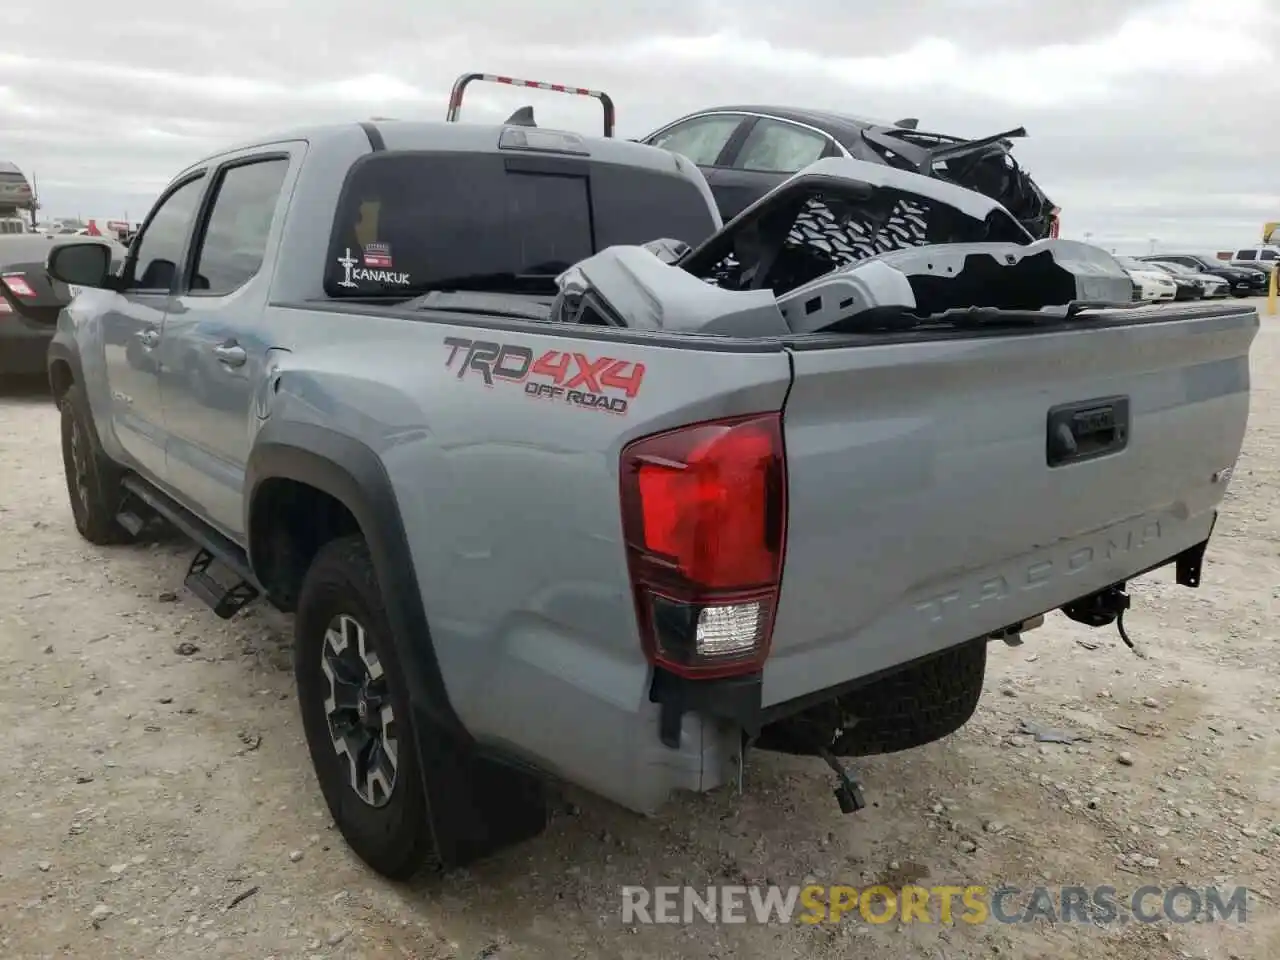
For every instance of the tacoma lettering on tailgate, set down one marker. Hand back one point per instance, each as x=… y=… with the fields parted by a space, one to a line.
x=596 y=383
x=995 y=587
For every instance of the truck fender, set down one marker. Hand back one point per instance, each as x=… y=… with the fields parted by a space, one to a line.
x=59 y=353
x=350 y=472
x=478 y=802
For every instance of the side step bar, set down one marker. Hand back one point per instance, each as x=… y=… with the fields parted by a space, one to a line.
x=225 y=600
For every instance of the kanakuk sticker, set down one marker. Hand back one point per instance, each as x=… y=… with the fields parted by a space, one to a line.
x=378 y=256
x=353 y=271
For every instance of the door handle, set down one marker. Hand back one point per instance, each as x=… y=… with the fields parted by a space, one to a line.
x=232 y=354
x=149 y=338
x=1083 y=431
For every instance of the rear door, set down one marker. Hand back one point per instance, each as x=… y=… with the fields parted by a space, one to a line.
x=133 y=322
x=767 y=153
x=214 y=345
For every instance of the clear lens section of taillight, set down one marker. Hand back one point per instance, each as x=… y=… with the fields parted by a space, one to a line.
x=704 y=517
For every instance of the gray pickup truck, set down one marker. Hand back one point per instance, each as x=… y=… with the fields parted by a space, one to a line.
x=564 y=478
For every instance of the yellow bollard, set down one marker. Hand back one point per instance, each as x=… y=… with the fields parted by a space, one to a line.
x=1271 y=290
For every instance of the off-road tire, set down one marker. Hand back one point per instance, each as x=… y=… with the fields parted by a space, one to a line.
x=395 y=840
x=912 y=706
x=93 y=481
x=917 y=705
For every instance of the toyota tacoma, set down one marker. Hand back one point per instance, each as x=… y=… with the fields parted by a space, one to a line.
x=563 y=478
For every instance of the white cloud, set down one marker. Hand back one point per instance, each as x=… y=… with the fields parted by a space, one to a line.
x=1146 y=117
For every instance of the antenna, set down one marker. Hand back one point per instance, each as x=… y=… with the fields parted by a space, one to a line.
x=522 y=118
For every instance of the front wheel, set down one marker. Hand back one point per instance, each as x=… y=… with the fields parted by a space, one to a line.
x=93 y=481
x=355 y=713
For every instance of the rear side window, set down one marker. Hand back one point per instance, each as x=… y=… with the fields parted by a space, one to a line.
x=777 y=147
x=411 y=222
x=1247 y=255
x=235 y=236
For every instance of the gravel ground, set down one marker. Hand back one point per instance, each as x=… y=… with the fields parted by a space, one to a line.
x=156 y=799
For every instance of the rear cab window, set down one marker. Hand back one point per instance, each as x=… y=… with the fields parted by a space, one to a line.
x=411 y=222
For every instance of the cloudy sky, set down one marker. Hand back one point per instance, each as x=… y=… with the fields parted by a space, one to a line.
x=1149 y=120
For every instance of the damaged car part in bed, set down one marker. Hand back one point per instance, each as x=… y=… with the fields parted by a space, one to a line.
x=846 y=246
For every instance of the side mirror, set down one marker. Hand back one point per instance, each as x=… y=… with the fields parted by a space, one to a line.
x=80 y=264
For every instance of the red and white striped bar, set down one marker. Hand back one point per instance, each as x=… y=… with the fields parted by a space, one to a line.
x=460 y=86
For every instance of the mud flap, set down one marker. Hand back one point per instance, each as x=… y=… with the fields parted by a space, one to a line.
x=477 y=805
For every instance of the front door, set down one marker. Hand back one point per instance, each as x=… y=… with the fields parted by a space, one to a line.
x=215 y=343
x=133 y=325
x=706 y=140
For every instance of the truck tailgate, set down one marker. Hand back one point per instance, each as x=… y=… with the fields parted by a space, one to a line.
x=923 y=509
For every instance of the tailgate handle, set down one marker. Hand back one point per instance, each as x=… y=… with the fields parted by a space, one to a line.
x=1086 y=430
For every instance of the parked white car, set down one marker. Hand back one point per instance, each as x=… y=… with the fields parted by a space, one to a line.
x=1211 y=286
x=1151 y=284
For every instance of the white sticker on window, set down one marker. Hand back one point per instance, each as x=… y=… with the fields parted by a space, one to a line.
x=352 y=270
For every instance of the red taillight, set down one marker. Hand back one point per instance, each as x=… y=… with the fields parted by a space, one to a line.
x=704 y=517
x=18 y=285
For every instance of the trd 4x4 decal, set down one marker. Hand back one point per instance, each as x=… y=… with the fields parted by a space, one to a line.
x=600 y=383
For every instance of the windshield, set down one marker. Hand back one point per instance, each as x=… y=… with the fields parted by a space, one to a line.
x=409 y=223
x=1130 y=263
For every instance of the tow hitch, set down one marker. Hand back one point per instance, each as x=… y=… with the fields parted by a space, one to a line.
x=1103 y=608
x=1108 y=605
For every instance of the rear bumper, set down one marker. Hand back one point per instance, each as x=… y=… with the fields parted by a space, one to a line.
x=738 y=701
x=687 y=736
x=22 y=348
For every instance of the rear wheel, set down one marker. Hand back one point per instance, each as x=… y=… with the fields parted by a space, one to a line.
x=355 y=713
x=93 y=481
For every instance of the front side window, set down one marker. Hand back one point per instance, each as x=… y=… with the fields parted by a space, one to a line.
x=159 y=248
x=776 y=147
x=235 y=238
x=700 y=139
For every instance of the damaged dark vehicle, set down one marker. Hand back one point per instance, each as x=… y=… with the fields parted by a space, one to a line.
x=746 y=151
x=847 y=246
